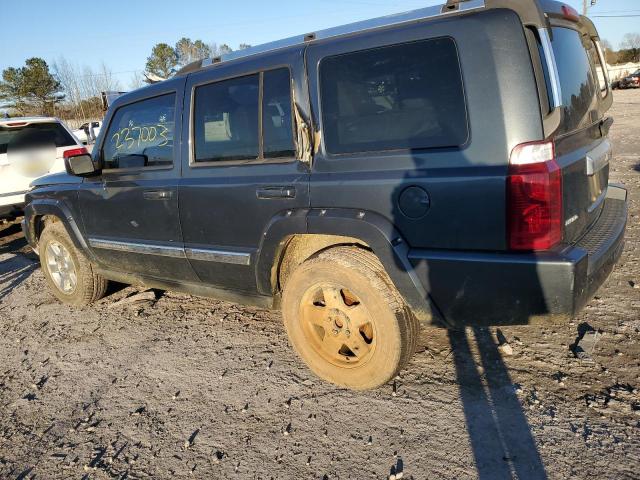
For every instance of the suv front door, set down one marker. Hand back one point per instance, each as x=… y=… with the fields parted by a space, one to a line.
x=130 y=212
x=240 y=167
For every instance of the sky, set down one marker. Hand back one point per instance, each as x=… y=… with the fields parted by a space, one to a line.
x=121 y=33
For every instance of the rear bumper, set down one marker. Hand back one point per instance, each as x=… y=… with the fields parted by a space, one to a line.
x=513 y=289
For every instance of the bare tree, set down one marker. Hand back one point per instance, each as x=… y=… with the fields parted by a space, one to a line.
x=136 y=81
x=631 y=43
x=83 y=86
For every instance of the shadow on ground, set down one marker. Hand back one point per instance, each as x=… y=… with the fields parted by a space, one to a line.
x=500 y=436
x=14 y=268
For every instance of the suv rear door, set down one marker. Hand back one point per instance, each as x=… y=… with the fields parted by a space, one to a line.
x=240 y=171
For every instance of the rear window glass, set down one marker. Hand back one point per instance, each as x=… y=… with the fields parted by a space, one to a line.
x=34 y=135
x=577 y=82
x=406 y=96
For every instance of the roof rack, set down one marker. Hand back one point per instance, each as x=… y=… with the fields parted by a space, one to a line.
x=413 y=16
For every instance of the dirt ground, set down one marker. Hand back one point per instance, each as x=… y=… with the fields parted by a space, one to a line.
x=184 y=387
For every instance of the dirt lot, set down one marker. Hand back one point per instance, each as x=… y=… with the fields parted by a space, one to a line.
x=190 y=387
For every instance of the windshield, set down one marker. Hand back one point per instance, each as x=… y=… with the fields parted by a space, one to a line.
x=34 y=135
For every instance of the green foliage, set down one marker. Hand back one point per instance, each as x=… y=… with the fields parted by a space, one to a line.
x=162 y=61
x=31 y=89
x=224 y=49
x=188 y=51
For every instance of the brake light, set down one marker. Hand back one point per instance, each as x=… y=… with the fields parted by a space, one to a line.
x=534 y=198
x=75 y=152
x=17 y=124
x=570 y=13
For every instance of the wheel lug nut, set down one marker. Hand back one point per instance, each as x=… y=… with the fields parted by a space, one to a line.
x=335 y=332
x=348 y=332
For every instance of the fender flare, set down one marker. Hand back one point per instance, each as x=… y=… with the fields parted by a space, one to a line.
x=372 y=229
x=273 y=240
x=58 y=209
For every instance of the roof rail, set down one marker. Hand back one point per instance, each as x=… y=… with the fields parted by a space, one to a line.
x=413 y=16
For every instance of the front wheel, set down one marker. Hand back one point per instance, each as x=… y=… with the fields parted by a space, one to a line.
x=346 y=319
x=69 y=274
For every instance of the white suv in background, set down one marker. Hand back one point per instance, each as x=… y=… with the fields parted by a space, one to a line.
x=30 y=147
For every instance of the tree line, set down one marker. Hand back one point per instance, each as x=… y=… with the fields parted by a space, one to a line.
x=73 y=92
x=165 y=60
x=628 y=52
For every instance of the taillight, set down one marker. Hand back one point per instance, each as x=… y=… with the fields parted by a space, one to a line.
x=534 y=197
x=75 y=152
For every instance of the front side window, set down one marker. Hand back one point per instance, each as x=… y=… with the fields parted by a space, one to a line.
x=407 y=96
x=141 y=134
x=226 y=120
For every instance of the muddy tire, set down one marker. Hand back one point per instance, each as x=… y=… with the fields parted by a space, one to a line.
x=346 y=319
x=69 y=274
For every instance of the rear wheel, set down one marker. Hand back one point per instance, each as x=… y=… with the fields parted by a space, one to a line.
x=69 y=274
x=346 y=319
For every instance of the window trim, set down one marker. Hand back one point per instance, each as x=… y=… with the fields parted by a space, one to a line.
x=377 y=152
x=193 y=164
x=603 y=64
x=107 y=171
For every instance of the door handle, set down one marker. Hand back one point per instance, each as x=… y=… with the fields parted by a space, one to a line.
x=270 y=193
x=157 y=195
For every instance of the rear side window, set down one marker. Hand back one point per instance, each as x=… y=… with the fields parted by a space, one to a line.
x=141 y=134
x=577 y=82
x=277 y=122
x=226 y=120
x=407 y=96
x=34 y=135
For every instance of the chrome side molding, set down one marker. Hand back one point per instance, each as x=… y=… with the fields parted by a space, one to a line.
x=202 y=254
x=220 y=256
x=141 y=248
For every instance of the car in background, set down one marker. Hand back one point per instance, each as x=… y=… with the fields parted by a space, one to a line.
x=631 y=81
x=30 y=147
x=88 y=132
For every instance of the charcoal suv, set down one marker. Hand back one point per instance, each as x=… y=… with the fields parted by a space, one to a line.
x=448 y=166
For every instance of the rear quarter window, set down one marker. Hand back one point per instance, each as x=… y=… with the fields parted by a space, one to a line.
x=405 y=96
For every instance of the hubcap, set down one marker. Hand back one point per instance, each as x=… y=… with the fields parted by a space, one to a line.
x=337 y=325
x=61 y=267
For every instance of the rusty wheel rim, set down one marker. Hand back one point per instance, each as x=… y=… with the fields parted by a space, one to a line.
x=337 y=325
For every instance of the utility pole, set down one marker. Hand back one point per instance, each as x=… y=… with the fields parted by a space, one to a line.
x=585 y=7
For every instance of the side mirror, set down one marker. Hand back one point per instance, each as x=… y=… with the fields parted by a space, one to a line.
x=78 y=162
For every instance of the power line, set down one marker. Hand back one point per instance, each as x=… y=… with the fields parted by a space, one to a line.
x=614 y=16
